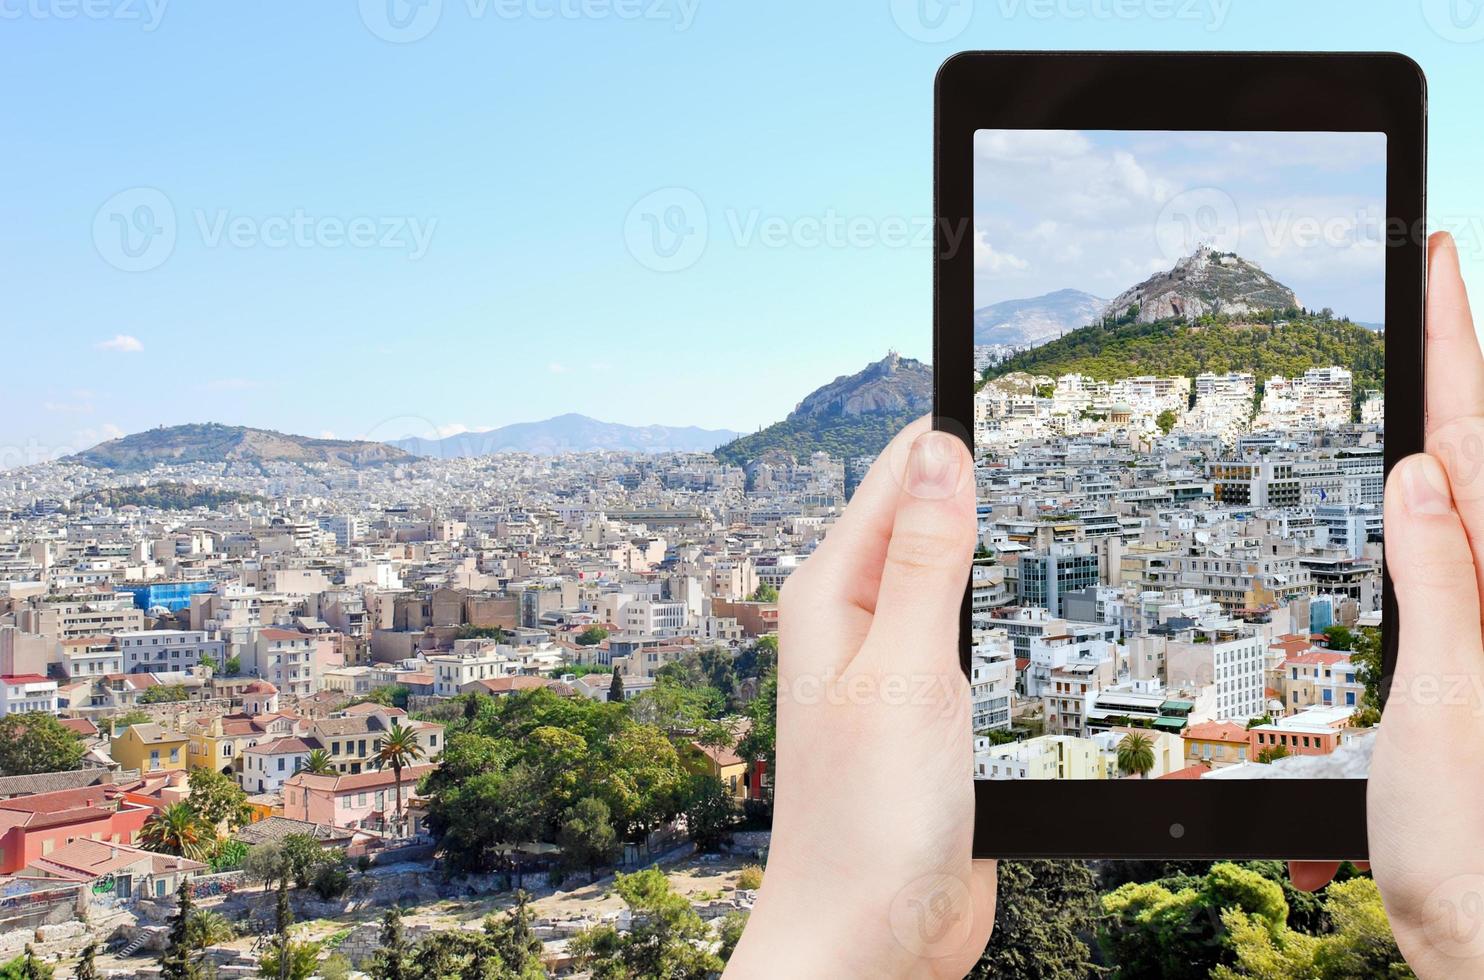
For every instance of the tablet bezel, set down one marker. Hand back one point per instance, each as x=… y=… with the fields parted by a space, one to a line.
x=1320 y=819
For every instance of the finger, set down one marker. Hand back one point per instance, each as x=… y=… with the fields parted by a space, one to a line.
x=927 y=559
x=1432 y=574
x=833 y=595
x=847 y=564
x=1310 y=876
x=1455 y=370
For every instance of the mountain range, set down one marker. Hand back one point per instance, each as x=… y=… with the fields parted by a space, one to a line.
x=1032 y=321
x=570 y=433
x=213 y=443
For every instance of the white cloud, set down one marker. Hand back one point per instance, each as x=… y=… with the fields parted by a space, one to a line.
x=986 y=258
x=452 y=429
x=556 y=368
x=121 y=343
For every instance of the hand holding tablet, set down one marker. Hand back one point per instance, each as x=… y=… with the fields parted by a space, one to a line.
x=1180 y=619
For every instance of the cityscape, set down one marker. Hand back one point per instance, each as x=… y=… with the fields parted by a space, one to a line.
x=502 y=703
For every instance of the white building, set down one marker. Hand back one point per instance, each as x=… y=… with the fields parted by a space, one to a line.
x=25 y=693
x=158 y=651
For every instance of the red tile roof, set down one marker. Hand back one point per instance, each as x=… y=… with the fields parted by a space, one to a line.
x=1189 y=772
x=1218 y=731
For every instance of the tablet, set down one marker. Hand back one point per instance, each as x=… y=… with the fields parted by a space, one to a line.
x=1178 y=318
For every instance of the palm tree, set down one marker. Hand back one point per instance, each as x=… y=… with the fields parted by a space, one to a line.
x=1136 y=754
x=318 y=763
x=177 y=830
x=399 y=748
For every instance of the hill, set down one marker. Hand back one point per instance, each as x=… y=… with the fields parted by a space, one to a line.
x=1263 y=346
x=854 y=415
x=1037 y=319
x=570 y=433
x=1204 y=282
x=213 y=443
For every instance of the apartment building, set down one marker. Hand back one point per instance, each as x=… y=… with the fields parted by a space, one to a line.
x=157 y=651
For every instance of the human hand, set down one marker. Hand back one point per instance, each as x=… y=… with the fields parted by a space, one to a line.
x=870 y=871
x=1425 y=799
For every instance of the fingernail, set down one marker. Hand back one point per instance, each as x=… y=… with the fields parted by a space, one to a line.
x=933 y=467
x=1425 y=487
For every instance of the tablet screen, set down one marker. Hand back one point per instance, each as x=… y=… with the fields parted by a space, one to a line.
x=1178 y=427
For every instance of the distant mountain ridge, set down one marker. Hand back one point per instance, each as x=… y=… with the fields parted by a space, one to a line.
x=570 y=433
x=854 y=415
x=1204 y=282
x=214 y=443
x=1036 y=319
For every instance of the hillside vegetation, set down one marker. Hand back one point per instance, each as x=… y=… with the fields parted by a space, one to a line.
x=1284 y=344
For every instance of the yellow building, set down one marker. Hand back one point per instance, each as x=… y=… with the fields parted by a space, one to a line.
x=1217 y=743
x=150 y=748
x=724 y=764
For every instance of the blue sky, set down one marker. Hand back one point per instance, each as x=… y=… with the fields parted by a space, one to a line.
x=1101 y=211
x=353 y=219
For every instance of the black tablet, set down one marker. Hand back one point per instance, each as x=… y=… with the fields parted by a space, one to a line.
x=1178 y=318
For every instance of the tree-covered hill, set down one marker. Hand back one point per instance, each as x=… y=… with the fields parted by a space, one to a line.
x=854 y=415
x=842 y=436
x=1286 y=344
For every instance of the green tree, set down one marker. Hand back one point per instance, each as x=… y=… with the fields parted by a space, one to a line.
x=131 y=717
x=164 y=694
x=319 y=763
x=709 y=811
x=587 y=837
x=36 y=742
x=1272 y=753
x=761 y=741
x=1136 y=754
x=667 y=938
x=399 y=749
x=1041 y=914
x=390 y=961
x=592 y=636
x=217 y=799
x=1166 y=420
x=26 y=967
x=1338 y=638
x=513 y=940
x=178 y=961
x=87 y=967
x=233 y=667
x=178 y=830
x=729 y=934
x=1358 y=944
x=1174 y=929
x=228 y=855
x=615 y=689
x=764 y=593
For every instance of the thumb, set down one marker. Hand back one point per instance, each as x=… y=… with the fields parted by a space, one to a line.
x=1432 y=573
x=927 y=560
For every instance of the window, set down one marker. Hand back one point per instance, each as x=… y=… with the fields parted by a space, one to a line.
x=280 y=763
